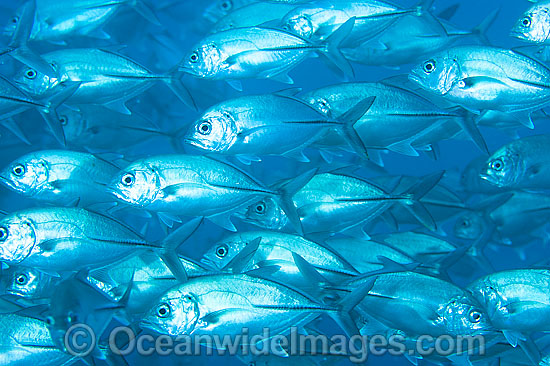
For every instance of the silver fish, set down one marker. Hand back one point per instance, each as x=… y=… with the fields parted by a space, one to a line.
x=102 y=77
x=520 y=164
x=534 y=25
x=60 y=177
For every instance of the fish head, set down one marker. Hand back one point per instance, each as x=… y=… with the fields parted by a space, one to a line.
x=503 y=168
x=265 y=213
x=462 y=315
x=73 y=122
x=301 y=22
x=469 y=226
x=25 y=282
x=219 y=9
x=13 y=22
x=35 y=82
x=176 y=313
x=17 y=238
x=204 y=61
x=138 y=185
x=534 y=25
x=27 y=175
x=215 y=131
x=221 y=254
x=439 y=74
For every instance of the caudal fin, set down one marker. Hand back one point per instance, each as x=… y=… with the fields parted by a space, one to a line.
x=331 y=49
x=416 y=192
x=173 y=81
x=348 y=120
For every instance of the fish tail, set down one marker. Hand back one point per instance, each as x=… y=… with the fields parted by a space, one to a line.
x=49 y=111
x=173 y=81
x=145 y=11
x=412 y=197
x=331 y=47
x=170 y=244
x=285 y=193
x=480 y=31
x=348 y=121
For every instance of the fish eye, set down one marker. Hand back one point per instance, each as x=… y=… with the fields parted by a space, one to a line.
x=194 y=57
x=128 y=179
x=226 y=5
x=497 y=165
x=222 y=251
x=252 y=363
x=15 y=20
x=475 y=316
x=465 y=223
x=50 y=320
x=19 y=170
x=260 y=208
x=205 y=128
x=63 y=120
x=4 y=233
x=22 y=279
x=72 y=318
x=429 y=66
x=163 y=310
x=526 y=22
x=30 y=74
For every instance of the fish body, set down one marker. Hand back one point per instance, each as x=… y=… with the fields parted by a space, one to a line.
x=534 y=25
x=60 y=177
x=481 y=78
x=65 y=239
x=253 y=14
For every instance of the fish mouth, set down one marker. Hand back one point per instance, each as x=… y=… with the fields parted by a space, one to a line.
x=414 y=78
x=147 y=324
x=518 y=34
x=116 y=193
x=209 y=263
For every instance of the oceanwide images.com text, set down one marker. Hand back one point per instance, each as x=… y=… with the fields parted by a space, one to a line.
x=80 y=341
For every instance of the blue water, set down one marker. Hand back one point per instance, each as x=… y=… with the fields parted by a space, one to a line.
x=160 y=48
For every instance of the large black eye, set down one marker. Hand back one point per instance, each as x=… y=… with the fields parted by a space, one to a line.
x=18 y=170
x=21 y=279
x=194 y=57
x=128 y=179
x=63 y=120
x=15 y=20
x=50 y=320
x=226 y=5
x=429 y=66
x=497 y=165
x=260 y=208
x=466 y=223
x=475 y=316
x=4 y=233
x=221 y=251
x=163 y=310
x=30 y=74
x=526 y=22
x=204 y=128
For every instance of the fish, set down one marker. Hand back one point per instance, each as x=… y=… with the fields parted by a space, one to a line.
x=63 y=240
x=57 y=21
x=14 y=101
x=188 y=185
x=271 y=124
x=25 y=340
x=520 y=164
x=221 y=8
x=317 y=20
x=203 y=306
x=27 y=285
x=418 y=304
x=332 y=202
x=246 y=251
x=259 y=53
x=104 y=77
x=398 y=120
x=252 y=15
x=533 y=24
x=418 y=37
x=60 y=177
x=482 y=78
x=516 y=301
x=265 y=213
